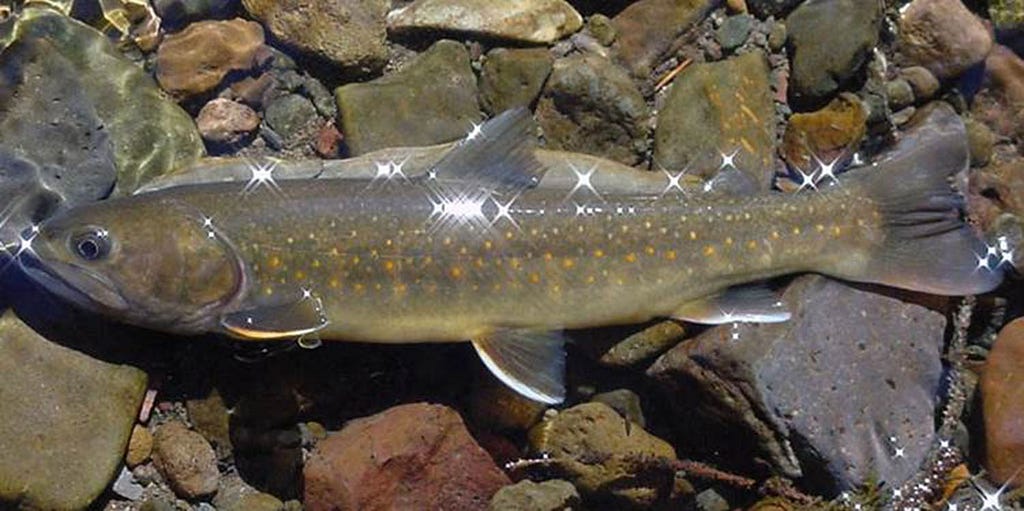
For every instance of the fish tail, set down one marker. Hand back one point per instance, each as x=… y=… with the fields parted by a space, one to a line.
x=926 y=245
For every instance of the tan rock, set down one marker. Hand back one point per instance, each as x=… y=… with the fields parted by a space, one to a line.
x=533 y=21
x=197 y=59
x=140 y=446
x=186 y=460
x=1002 y=396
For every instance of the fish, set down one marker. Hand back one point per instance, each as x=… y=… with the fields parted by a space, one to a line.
x=473 y=249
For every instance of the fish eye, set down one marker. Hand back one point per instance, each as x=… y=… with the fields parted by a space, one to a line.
x=92 y=245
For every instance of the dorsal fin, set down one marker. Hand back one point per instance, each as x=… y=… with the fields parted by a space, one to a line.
x=497 y=155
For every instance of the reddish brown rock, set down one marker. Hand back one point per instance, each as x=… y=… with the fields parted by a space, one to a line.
x=1000 y=104
x=223 y=121
x=827 y=134
x=647 y=28
x=415 y=456
x=1002 y=395
x=943 y=36
x=196 y=59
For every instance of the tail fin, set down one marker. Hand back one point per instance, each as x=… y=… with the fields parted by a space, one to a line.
x=927 y=246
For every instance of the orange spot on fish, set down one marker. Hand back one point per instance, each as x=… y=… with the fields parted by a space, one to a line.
x=709 y=250
x=568 y=263
x=534 y=278
x=598 y=253
x=455 y=272
x=630 y=257
x=649 y=250
x=670 y=255
x=389 y=266
x=274 y=262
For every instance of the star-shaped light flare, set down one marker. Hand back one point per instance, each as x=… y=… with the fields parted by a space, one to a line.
x=262 y=175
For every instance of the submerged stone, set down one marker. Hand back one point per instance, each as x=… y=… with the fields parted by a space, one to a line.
x=531 y=21
x=66 y=420
x=432 y=100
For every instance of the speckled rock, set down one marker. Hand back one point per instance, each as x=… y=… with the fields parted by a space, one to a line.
x=196 y=60
x=186 y=460
x=591 y=106
x=823 y=58
x=1000 y=104
x=734 y=31
x=140 y=446
x=222 y=121
x=1002 y=396
x=531 y=21
x=83 y=76
x=834 y=398
x=942 y=36
x=1007 y=14
x=66 y=420
x=647 y=28
x=415 y=456
x=432 y=100
x=235 y=495
x=348 y=33
x=551 y=495
x=513 y=77
x=291 y=116
x=599 y=451
x=719 y=108
x=210 y=417
x=830 y=134
x=981 y=142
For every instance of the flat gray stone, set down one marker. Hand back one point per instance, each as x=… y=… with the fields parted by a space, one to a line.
x=843 y=392
x=513 y=77
x=66 y=420
x=432 y=100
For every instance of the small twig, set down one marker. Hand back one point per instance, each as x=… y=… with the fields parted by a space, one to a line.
x=672 y=74
x=706 y=472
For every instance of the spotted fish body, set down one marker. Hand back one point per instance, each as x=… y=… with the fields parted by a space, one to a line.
x=475 y=250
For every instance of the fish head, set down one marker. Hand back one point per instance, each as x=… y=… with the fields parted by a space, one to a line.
x=153 y=264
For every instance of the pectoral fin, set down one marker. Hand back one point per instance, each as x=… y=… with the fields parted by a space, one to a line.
x=746 y=304
x=297 y=318
x=531 y=363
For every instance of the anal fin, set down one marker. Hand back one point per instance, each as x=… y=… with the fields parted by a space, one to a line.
x=743 y=304
x=296 y=318
x=531 y=363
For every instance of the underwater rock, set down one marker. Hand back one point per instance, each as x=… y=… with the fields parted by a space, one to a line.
x=824 y=58
x=829 y=135
x=513 y=77
x=150 y=134
x=734 y=31
x=496 y=407
x=551 y=495
x=647 y=28
x=174 y=13
x=602 y=453
x=1007 y=14
x=591 y=106
x=836 y=399
x=186 y=460
x=235 y=495
x=716 y=109
x=529 y=21
x=140 y=446
x=777 y=8
x=624 y=401
x=210 y=417
x=291 y=116
x=348 y=33
x=922 y=82
x=942 y=36
x=432 y=100
x=196 y=60
x=222 y=121
x=1000 y=104
x=66 y=420
x=414 y=456
x=1002 y=398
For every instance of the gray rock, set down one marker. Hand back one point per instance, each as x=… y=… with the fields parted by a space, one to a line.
x=432 y=100
x=235 y=495
x=719 y=108
x=512 y=78
x=900 y=93
x=349 y=33
x=824 y=58
x=710 y=500
x=624 y=401
x=647 y=28
x=186 y=460
x=531 y=21
x=837 y=398
x=589 y=105
x=551 y=495
x=177 y=12
x=290 y=116
x=148 y=134
x=734 y=31
x=126 y=486
x=65 y=423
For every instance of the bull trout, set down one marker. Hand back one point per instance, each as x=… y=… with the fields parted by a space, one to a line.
x=473 y=250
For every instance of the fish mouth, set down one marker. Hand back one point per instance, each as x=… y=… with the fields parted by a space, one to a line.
x=73 y=283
